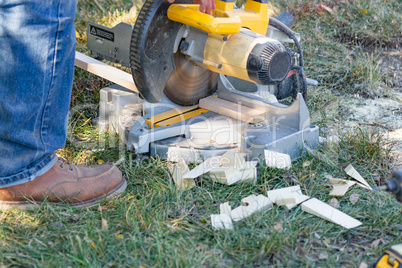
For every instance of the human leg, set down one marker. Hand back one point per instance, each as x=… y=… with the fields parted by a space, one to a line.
x=37 y=46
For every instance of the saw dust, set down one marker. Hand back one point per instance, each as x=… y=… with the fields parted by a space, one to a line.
x=382 y=112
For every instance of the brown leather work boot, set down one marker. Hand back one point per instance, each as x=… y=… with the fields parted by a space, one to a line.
x=64 y=183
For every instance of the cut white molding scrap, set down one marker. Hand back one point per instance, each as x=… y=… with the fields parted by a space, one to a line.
x=341 y=181
x=252 y=203
x=287 y=193
x=225 y=208
x=228 y=168
x=299 y=199
x=178 y=170
x=232 y=158
x=362 y=185
x=221 y=221
x=230 y=175
x=240 y=213
x=204 y=167
x=224 y=175
x=248 y=171
x=325 y=211
x=258 y=201
x=273 y=195
x=351 y=171
x=248 y=175
x=235 y=160
x=277 y=160
x=340 y=187
x=283 y=201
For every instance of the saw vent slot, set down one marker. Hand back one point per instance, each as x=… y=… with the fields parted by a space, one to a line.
x=276 y=63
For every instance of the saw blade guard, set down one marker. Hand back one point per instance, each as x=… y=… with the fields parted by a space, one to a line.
x=151 y=49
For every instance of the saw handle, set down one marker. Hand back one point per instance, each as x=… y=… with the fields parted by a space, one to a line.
x=190 y=15
x=224 y=20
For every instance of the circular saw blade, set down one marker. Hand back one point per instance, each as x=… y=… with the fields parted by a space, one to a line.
x=151 y=48
x=189 y=83
x=156 y=70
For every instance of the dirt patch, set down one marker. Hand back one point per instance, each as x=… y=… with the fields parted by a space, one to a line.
x=381 y=112
x=368 y=42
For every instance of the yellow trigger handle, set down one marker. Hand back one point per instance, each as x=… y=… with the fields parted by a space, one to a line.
x=224 y=20
x=190 y=15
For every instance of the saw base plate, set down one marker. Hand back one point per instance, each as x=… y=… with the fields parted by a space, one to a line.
x=208 y=134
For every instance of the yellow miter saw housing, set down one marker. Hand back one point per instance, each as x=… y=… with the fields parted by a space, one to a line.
x=233 y=42
x=179 y=55
x=236 y=44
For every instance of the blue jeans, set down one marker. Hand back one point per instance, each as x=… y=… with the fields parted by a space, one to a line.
x=37 y=46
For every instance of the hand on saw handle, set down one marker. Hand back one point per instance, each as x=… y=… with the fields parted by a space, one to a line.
x=206 y=6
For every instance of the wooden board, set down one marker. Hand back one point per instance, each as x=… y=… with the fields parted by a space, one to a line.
x=325 y=211
x=232 y=109
x=105 y=71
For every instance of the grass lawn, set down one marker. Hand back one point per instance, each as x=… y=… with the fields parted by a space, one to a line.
x=350 y=47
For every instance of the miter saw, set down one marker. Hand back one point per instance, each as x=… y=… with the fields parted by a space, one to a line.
x=179 y=55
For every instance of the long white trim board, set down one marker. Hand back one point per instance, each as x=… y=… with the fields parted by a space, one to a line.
x=105 y=71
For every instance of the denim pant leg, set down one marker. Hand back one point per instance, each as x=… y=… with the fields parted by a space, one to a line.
x=37 y=46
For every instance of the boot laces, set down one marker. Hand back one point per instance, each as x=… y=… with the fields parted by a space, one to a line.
x=64 y=162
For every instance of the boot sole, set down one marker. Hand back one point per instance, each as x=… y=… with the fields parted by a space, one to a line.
x=30 y=205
